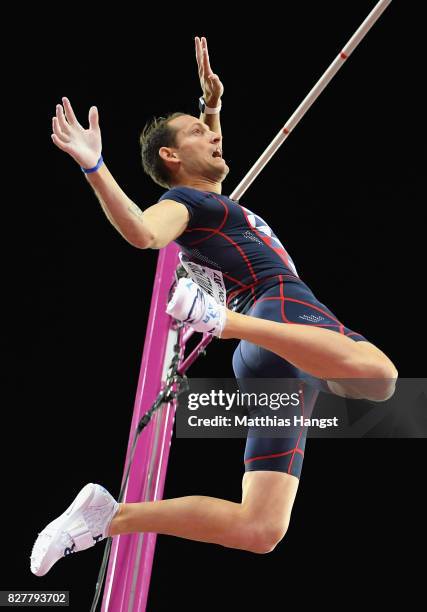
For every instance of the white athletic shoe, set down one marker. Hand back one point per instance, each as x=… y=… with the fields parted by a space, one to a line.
x=81 y=526
x=193 y=306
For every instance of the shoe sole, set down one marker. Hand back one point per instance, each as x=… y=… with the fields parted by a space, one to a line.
x=82 y=500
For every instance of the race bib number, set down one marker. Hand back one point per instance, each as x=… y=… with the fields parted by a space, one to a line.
x=208 y=279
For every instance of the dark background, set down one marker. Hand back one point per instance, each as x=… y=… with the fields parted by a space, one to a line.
x=344 y=196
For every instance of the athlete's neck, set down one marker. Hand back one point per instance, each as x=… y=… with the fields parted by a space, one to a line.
x=201 y=185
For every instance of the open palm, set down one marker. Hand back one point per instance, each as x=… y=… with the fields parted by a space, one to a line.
x=211 y=85
x=83 y=145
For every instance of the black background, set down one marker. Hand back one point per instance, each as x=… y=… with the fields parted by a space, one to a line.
x=344 y=196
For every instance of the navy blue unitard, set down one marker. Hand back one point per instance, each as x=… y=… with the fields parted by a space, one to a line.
x=261 y=280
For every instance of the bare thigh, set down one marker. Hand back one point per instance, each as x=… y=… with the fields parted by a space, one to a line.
x=269 y=496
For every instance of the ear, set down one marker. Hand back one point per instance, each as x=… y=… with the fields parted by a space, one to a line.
x=167 y=154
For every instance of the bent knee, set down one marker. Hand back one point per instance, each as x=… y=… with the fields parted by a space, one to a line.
x=376 y=379
x=382 y=392
x=265 y=538
x=382 y=388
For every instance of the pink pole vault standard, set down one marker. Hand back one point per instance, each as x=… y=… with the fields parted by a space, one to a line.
x=131 y=558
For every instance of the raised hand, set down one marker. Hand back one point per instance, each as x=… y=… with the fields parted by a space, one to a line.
x=84 y=146
x=211 y=85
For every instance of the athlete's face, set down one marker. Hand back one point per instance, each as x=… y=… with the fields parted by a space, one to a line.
x=198 y=150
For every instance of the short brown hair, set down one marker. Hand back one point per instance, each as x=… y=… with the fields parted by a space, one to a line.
x=157 y=133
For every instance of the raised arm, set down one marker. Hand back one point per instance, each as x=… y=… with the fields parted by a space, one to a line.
x=212 y=87
x=154 y=227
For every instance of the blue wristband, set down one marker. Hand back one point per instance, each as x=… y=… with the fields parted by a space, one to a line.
x=98 y=165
